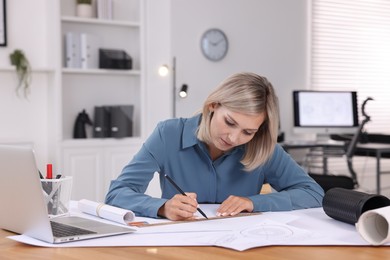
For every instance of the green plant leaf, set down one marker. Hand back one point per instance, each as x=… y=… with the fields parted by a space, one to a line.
x=23 y=71
x=84 y=2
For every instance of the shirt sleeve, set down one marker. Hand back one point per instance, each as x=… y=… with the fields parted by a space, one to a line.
x=127 y=191
x=295 y=189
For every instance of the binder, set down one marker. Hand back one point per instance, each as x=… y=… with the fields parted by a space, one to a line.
x=89 y=51
x=121 y=121
x=113 y=121
x=72 y=50
x=101 y=127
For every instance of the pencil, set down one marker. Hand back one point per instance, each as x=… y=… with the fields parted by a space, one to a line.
x=182 y=193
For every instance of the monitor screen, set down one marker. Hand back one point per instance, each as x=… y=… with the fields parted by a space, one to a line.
x=324 y=112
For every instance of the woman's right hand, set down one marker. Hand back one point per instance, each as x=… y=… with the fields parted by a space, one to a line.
x=180 y=207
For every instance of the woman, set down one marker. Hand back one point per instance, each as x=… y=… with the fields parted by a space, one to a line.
x=222 y=155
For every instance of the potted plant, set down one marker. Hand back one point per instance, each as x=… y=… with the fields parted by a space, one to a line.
x=23 y=71
x=84 y=8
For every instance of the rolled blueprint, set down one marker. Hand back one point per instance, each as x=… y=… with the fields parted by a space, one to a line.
x=373 y=226
x=105 y=211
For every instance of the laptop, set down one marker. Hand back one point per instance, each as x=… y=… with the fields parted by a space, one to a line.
x=23 y=209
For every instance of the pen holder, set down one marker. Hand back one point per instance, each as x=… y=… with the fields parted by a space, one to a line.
x=57 y=195
x=347 y=205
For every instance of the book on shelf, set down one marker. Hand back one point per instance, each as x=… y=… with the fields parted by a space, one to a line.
x=104 y=9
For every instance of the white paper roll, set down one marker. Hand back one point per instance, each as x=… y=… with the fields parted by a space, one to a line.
x=373 y=226
x=105 y=211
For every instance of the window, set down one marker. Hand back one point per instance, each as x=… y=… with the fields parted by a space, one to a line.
x=351 y=51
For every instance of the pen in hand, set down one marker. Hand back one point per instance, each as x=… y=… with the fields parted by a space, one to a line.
x=182 y=192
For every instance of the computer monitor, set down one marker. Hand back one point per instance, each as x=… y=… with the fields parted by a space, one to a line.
x=325 y=112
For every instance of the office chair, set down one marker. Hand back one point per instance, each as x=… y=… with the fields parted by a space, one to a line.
x=330 y=181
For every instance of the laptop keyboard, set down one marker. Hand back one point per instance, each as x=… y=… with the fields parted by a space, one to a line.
x=62 y=230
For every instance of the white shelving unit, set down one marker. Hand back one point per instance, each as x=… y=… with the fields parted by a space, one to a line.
x=101 y=72
x=72 y=19
x=34 y=70
x=93 y=162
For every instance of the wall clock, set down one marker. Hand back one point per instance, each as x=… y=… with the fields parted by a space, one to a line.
x=214 y=44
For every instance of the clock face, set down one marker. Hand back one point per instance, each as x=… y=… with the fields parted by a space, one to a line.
x=214 y=44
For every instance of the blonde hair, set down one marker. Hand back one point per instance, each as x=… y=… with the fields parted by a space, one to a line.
x=251 y=94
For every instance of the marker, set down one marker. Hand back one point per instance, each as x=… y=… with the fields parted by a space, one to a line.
x=40 y=174
x=49 y=171
x=182 y=193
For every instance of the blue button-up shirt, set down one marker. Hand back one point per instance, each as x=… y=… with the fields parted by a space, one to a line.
x=174 y=149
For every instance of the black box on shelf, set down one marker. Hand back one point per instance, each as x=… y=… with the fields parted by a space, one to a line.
x=114 y=59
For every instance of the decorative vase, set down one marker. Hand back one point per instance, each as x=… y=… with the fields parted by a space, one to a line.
x=84 y=10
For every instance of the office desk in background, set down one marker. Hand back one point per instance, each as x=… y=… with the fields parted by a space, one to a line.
x=324 y=146
x=378 y=150
x=10 y=249
x=369 y=148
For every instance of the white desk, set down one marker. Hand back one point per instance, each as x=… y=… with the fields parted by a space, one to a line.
x=307 y=227
x=326 y=145
x=10 y=249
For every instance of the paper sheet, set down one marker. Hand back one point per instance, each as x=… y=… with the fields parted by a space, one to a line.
x=299 y=227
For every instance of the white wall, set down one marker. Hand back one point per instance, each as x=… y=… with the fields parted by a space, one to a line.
x=158 y=52
x=266 y=37
x=26 y=120
x=27 y=29
x=274 y=44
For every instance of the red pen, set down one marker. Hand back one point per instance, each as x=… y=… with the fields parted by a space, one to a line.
x=49 y=171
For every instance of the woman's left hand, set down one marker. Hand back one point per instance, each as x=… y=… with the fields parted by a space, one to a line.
x=234 y=205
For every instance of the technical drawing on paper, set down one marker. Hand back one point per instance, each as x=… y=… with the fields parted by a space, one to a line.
x=268 y=232
x=265 y=233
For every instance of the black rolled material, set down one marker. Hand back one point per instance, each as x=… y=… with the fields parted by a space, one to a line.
x=347 y=205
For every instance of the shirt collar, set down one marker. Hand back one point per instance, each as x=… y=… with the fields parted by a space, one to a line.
x=189 y=131
x=189 y=134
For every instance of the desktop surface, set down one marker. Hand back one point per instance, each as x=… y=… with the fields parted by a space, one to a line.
x=311 y=143
x=10 y=249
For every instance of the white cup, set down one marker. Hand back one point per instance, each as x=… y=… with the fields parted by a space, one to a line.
x=57 y=193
